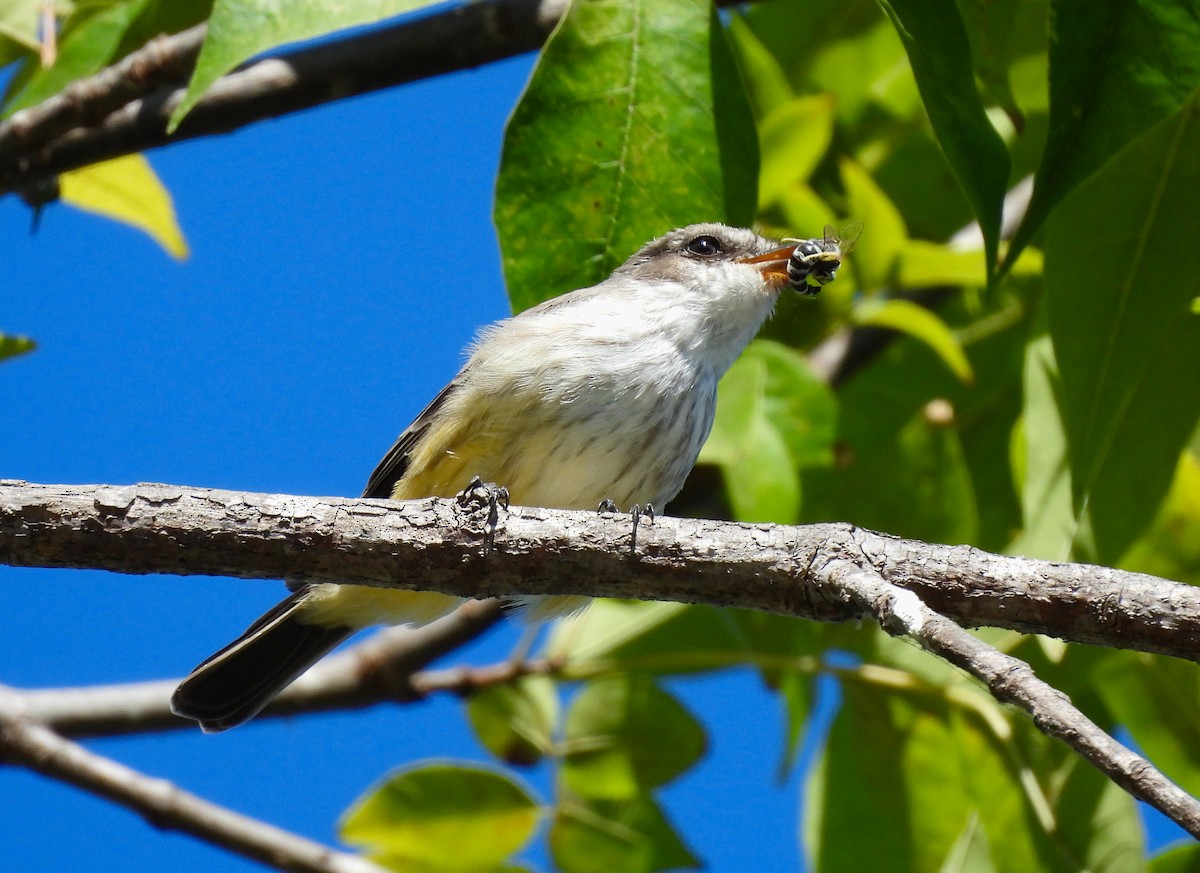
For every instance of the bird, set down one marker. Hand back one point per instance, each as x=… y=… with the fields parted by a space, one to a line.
x=603 y=395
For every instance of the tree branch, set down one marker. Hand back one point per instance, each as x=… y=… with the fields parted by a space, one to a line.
x=165 y=60
x=382 y=668
x=901 y=613
x=459 y=38
x=830 y=572
x=437 y=545
x=33 y=745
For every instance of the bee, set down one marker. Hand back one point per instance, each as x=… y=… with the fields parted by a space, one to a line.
x=815 y=262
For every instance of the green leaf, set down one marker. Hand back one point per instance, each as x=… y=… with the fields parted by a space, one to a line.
x=442 y=817
x=127 y=189
x=624 y=736
x=884 y=235
x=633 y=123
x=990 y=29
x=1170 y=548
x=925 y=264
x=888 y=762
x=630 y=836
x=1177 y=859
x=920 y=323
x=515 y=721
x=936 y=41
x=970 y=852
x=794 y=137
x=240 y=29
x=648 y=637
x=799 y=405
x=773 y=418
x=11 y=346
x=19 y=22
x=934 y=478
x=1116 y=70
x=1119 y=290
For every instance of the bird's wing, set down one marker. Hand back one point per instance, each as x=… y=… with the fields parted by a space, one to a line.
x=395 y=462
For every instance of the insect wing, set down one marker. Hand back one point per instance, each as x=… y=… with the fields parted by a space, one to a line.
x=847 y=237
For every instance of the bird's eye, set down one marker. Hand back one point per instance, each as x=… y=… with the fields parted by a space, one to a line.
x=706 y=246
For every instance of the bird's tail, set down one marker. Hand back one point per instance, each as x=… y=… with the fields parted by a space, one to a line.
x=233 y=685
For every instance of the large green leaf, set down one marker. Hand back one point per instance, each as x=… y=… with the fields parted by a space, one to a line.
x=240 y=29
x=442 y=817
x=1116 y=69
x=624 y=736
x=1120 y=285
x=936 y=41
x=634 y=123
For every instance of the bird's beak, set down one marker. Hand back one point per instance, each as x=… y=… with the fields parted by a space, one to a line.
x=773 y=264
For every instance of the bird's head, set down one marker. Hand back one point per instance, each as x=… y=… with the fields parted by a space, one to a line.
x=711 y=253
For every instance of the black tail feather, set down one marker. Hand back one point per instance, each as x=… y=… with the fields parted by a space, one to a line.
x=233 y=685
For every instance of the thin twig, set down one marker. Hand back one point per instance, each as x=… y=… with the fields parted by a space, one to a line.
x=31 y=744
x=1011 y=680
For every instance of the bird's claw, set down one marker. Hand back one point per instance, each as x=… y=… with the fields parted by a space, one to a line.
x=479 y=494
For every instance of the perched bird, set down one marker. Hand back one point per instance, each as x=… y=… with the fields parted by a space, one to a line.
x=603 y=394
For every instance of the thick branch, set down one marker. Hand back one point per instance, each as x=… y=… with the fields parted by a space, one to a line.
x=33 y=745
x=437 y=545
x=900 y=612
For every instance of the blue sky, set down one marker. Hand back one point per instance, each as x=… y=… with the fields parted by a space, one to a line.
x=341 y=259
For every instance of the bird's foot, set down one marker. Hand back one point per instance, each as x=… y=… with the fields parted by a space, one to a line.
x=479 y=494
x=636 y=514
